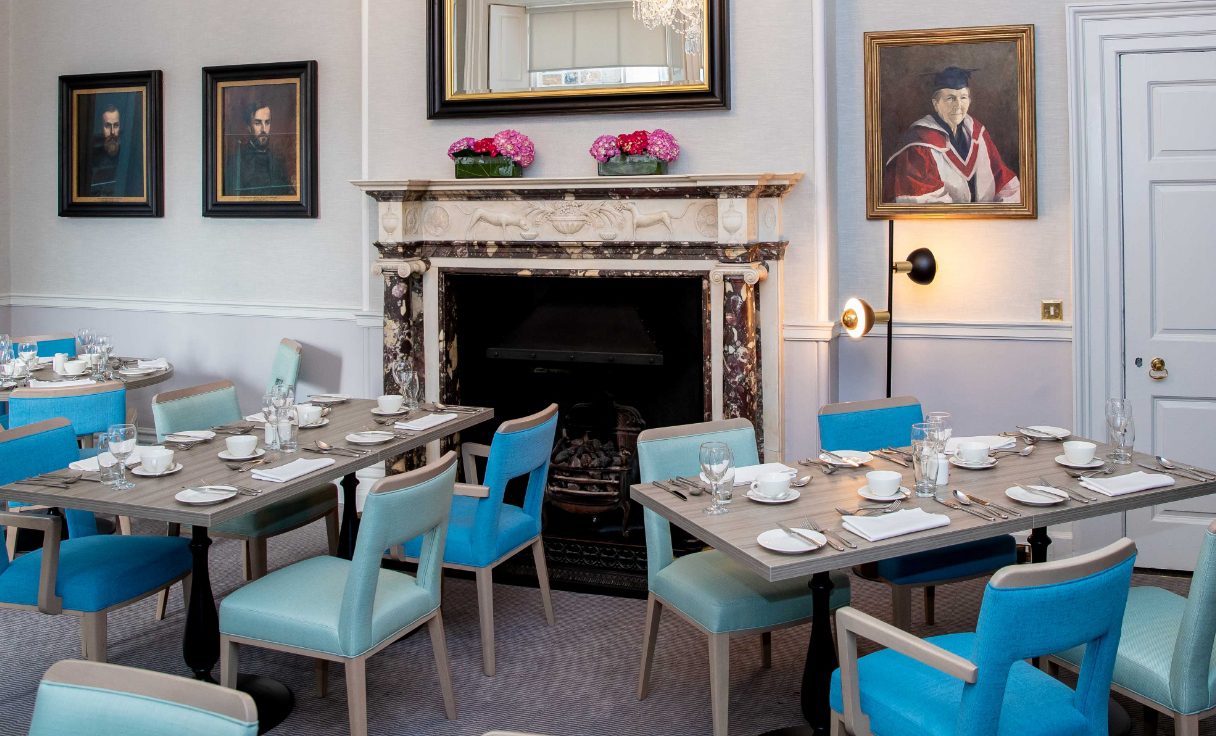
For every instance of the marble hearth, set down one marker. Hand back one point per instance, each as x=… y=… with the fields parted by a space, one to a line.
x=725 y=230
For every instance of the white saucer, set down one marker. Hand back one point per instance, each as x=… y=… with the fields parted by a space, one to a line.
x=778 y=541
x=206 y=495
x=861 y=458
x=378 y=412
x=864 y=492
x=1037 y=431
x=326 y=399
x=1097 y=462
x=138 y=371
x=322 y=423
x=225 y=455
x=1031 y=499
x=370 y=437
x=990 y=463
x=139 y=470
x=85 y=372
x=793 y=495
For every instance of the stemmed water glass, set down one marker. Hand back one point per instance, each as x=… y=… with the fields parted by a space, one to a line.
x=27 y=352
x=84 y=341
x=1122 y=430
x=942 y=420
x=122 y=444
x=103 y=346
x=6 y=345
x=408 y=383
x=718 y=467
x=277 y=404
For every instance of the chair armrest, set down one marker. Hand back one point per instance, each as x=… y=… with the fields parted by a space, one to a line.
x=52 y=531
x=468 y=451
x=471 y=490
x=850 y=623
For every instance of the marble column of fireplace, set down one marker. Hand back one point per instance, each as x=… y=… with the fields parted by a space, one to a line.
x=723 y=229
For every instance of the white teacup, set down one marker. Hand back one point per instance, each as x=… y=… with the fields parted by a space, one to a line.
x=1079 y=453
x=973 y=452
x=241 y=445
x=58 y=361
x=156 y=459
x=883 y=482
x=308 y=414
x=772 y=485
x=74 y=367
x=390 y=403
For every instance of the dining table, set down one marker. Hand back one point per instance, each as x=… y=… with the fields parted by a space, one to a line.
x=154 y=498
x=735 y=533
x=131 y=380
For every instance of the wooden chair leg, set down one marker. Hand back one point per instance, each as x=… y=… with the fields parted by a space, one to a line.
x=930 y=595
x=257 y=557
x=230 y=661
x=10 y=542
x=485 y=612
x=162 y=603
x=439 y=644
x=542 y=578
x=124 y=526
x=901 y=607
x=331 y=531
x=654 y=609
x=245 y=572
x=356 y=695
x=719 y=682
x=93 y=629
x=320 y=670
x=766 y=650
x=1186 y=725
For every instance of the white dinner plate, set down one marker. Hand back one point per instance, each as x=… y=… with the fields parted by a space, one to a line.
x=138 y=371
x=139 y=470
x=370 y=437
x=1097 y=462
x=857 y=456
x=206 y=495
x=326 y=399
x=321 y=423
x=864 y=492
x=779 y=541
x=957 y=462
x=1037 y=430
x=379 y=412
x=1031 y=499
x=79 y=374
x=225 y=455
x=791 y=495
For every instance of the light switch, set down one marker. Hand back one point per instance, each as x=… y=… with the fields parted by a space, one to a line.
x=1053 y=310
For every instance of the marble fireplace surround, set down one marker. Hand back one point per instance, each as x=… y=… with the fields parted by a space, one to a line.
x=725 y=229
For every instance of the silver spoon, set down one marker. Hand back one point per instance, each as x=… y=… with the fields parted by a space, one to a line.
x=827 y=468
x=965 y=500
x=800 y=482
x=1169 y=465
x=323 y=445
x=1023 y=452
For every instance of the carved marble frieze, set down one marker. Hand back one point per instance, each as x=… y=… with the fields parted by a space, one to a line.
x=592 y=249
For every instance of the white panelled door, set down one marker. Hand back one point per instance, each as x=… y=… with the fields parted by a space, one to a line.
x=508 y=48
x=1167 y=106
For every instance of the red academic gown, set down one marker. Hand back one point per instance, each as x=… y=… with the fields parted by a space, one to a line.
x=926 y=169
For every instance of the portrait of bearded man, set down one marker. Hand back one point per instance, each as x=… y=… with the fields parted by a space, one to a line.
x=254 y=168
x=114 y=166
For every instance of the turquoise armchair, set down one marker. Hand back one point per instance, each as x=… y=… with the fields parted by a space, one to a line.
x=108 y=700
x=1165 y=654
x=48 y=345
x=89 y=574
x=286 y=367
x=485 y=531
x=870 y=425
x=709 y=589
x=345 y=611
x=979 y=684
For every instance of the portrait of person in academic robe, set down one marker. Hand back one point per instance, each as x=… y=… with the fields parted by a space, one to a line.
x=112 y=143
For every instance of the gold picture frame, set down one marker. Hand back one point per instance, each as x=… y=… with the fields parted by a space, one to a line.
x=926 y=155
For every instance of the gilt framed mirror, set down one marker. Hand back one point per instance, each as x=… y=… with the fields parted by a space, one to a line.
x=495 y=57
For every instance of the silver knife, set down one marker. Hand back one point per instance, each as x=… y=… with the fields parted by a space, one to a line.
x=1178 y=472
x=971 y=511
x=889 y=457
x=799 y=535
x=842 y=460
x=997 y=506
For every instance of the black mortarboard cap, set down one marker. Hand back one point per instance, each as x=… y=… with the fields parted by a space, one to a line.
x=952 y=77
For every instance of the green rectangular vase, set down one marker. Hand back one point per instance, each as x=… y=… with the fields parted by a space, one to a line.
x=484 y=167
x=632 y=164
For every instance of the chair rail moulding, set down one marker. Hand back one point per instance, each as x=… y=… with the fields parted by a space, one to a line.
x=724 y=229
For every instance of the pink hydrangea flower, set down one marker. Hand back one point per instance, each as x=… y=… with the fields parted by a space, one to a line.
x=464 y=144
x=604 y=148
x=662 y=145
x=516 y=145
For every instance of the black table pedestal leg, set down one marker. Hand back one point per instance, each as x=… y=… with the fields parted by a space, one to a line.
x=350 y=518
x=819 y=665
x=1039 y=542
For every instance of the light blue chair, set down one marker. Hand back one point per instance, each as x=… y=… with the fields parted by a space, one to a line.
x=213 y=404
x=870 y=425
x=78 y=697
x=48 y=345
x=1165 y=653
x=337 y=610
x=718 y=595
x=978 y=684
x=286 y=367
x=89 y=574
x=485 y=531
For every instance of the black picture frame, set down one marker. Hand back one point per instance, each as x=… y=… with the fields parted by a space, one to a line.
x=260 y=140
x=111 y=145
x=715 y=97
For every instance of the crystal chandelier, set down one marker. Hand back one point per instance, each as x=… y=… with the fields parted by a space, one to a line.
x=683 y=16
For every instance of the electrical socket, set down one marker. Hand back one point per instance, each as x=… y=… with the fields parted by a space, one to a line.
x=1052 y=310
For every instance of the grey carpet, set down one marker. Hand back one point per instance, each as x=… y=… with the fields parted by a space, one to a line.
x=577 y=677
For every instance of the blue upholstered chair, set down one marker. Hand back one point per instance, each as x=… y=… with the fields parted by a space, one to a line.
x=89 y=574
x=345 y=611
x=978 y=684
x=1165 y=653
x=78 y=697
x=48 y=345
x=717 y=594
x=870 y=425
x=212 y=404
x=286 y=367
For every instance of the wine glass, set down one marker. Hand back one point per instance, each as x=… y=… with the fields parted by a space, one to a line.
x=718 y=467
x=942 y=419
x=103 y=346
x=6 y=345
x=1122 y=430
x=408 y=383
x=122 y=444
x=84 y=341
x=27 y=352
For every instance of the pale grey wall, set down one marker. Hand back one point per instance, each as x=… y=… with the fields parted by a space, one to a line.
x=5 y=121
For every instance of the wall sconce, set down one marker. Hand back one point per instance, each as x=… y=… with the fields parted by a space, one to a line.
x=859 y=317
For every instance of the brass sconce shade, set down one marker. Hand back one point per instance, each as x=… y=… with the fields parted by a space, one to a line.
x=859 y=317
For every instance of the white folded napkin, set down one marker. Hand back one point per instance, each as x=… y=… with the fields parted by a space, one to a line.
x=292 y=470
x=746 y=474
x=426 y=422
x=91 y=464
x=885 y=526
x=993 y=441
x=1130 y=483
x=154 y=363
x=35 y=383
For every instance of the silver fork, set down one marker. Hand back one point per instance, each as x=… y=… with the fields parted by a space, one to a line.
x=836 y=541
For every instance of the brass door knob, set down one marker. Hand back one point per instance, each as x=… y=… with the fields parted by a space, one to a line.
x=1157 y=370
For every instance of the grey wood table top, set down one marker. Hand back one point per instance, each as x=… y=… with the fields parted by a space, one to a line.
x=735 y=533
x=153 y=498
x=132 y=382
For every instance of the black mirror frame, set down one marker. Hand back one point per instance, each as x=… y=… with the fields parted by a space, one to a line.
x=717 y=97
